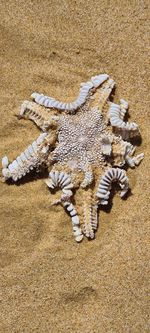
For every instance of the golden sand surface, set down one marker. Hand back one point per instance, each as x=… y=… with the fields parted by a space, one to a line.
x=48 y=283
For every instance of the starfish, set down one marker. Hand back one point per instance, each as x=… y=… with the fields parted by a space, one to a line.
x=84 y=144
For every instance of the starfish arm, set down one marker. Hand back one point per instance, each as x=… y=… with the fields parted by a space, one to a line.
x=124 y=105
x=77 y=232
x=84 y=94
x=89 y=214
x=94 y=221
x=126 y=151
x=62 y=180
x=116 y=114
x=31 y=158
x=105 y=184
x=38 y=115
x=105 y=92
x=88 y=178
x=101 y=94
x=134 y=161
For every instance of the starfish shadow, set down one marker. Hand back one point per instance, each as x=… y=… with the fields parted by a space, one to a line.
x=111 y=97
x=137 y=141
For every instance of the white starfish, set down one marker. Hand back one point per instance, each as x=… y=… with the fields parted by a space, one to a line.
x=84 y=144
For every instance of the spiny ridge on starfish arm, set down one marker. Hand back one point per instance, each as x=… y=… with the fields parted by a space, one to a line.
x=84 y=144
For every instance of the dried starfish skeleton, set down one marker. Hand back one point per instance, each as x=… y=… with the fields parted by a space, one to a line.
x=84 y=144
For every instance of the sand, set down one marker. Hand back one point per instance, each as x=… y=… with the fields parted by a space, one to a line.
x=48 y=282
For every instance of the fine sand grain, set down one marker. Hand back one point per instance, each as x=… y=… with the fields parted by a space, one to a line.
x=48 y=282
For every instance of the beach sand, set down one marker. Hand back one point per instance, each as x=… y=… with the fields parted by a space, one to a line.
x=48 y=282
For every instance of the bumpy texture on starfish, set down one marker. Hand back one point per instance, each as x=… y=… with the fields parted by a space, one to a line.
x=84 y=144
